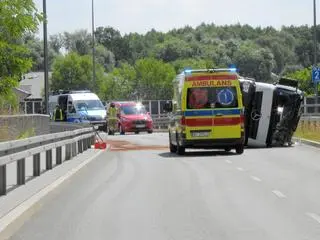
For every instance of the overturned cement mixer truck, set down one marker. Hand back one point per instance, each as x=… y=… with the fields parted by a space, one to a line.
x=272 y=111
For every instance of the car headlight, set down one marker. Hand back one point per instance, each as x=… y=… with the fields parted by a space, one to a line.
x=125 y=120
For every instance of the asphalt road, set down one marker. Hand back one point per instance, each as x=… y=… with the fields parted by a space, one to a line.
x=150 y=194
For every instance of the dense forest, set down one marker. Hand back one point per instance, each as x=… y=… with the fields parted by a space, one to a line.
x=142 y=66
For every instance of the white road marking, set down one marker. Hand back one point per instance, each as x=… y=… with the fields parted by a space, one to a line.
x=255 y=178
x=228 y=161
x=314 y=216
x=240 y=169
x=279 y=194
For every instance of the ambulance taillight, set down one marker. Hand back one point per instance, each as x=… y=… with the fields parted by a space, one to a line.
x=242 y=118
x=183 y=121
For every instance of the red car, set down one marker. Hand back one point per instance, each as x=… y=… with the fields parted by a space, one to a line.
x=133 y=117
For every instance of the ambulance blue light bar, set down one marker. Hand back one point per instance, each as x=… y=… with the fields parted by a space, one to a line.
x=189 y=70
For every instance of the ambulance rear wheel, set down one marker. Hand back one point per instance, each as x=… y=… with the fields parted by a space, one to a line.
x=239 y=149
x=173 y=148
x=180 y=150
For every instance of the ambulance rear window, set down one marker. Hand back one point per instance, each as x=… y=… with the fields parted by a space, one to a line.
x=217 y=97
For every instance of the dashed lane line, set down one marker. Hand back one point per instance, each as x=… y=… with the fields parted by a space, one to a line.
x=279 y=194
x=255 y=178
x=314 y=216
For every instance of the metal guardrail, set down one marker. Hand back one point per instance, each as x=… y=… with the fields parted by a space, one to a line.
x=75 y=142
x=160 y=121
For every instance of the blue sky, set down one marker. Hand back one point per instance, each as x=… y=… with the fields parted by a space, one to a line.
x=163 y=15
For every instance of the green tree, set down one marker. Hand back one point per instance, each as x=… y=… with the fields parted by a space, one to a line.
x=35 y=46
x=304 y=78
x=17 y=18
x=118 y=85
x=154 y=79
x=75 y=72
x=56 y=42
x=173 y=49
x=194 y=63
x=105 y=58
x=113 y=41
x=254 y=61
x=78 y=41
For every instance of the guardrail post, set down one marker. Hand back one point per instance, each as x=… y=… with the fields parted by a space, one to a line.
x=3 y=180
x=89 y=142
x=36 y=165
x=58 y=155
x=84 y=144
x=49 y=159
x=21 y=171
x=305 y=110
x=68 y=151
x=80 y=149
x=74 y=149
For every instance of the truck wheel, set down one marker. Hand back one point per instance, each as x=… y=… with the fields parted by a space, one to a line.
x=150 y=131
x=240 y=149
x=136 y=132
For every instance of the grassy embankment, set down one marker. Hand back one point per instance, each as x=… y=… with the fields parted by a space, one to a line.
x=308 y=130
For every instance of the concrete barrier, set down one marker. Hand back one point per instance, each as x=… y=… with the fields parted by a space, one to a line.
x=56 y=127
x=14 y=126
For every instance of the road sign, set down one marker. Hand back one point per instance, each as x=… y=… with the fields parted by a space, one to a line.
x=315 y=75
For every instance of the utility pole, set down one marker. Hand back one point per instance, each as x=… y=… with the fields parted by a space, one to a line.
x=93 y=51
x=315 y=50
x=46 y=70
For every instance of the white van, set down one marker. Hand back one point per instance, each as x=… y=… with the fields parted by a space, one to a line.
x=79 y=106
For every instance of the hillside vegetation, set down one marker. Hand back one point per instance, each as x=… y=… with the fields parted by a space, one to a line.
x=142 y=66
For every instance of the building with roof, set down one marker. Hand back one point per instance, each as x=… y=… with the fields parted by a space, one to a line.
x=30 y=92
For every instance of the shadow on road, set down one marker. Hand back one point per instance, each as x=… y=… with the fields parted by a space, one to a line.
x=256 y=148
x=197 y=154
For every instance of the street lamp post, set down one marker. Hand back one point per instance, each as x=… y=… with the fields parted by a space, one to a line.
x=93 y=51
x=46 y=71
x=315 y=49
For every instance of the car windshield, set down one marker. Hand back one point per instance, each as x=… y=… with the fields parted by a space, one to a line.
x=84 y=105
x=133 y=110
x=209 y=97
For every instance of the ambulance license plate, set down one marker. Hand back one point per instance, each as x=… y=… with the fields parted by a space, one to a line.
x=140 y=126
x=200 y=134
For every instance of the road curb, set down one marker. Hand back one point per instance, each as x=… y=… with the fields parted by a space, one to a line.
x=8 y=221
x=307 y=142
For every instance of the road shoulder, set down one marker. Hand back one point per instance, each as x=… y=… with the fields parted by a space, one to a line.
x=21 y=202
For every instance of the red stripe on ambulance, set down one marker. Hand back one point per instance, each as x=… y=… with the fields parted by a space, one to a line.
x=226 y=121
x=208 y=122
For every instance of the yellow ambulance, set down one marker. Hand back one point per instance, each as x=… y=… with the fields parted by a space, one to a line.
x=207 y=111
